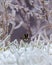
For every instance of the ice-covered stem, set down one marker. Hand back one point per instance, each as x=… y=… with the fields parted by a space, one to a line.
x=3 y=17
x=44 y=32
x=15 y=27
x=18 y=26
x=50 y=4
x=44 y=10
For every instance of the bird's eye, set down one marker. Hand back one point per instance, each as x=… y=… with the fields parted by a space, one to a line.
x=25 y=36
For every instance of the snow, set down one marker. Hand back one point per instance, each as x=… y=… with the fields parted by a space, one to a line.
x=25 y=56
x=35 y=52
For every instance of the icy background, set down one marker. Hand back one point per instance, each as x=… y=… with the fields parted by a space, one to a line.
x=26 y=54
x=32 y=17
x=19 y=17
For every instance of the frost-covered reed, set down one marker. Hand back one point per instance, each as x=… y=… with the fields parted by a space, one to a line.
x=35 y=16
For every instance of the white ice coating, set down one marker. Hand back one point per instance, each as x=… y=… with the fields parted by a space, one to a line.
x=26 y=55
x=37 y=52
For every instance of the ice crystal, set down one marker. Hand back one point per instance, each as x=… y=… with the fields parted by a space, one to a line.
x=19 y=17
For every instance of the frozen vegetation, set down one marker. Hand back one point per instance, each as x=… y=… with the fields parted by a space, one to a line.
x=32 y=17
x=26 y=54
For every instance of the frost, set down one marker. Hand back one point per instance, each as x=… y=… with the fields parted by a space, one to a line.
x=35 y=16
x=25 y=56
